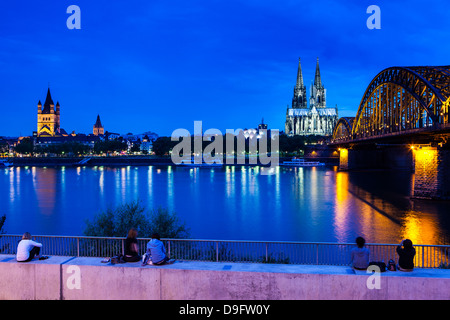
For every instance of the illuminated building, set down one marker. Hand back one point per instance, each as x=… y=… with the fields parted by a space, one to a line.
x=48 y=122
x=315 y=120
x=98 y=128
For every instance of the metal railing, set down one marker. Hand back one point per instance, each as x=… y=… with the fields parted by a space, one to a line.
x=312 y=253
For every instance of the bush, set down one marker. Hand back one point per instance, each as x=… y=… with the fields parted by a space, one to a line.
x=2 y=223
x=117 y=222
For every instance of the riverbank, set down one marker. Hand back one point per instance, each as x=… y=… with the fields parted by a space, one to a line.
x=129 y=161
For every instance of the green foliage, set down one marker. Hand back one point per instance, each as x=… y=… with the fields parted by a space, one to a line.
x=2 y=223
x=167 y=224
x=116 y=222
x=25 y=146
x=296 y=144
x=279 y=258
x=109 y=146
x=64 y=148
x=163 y=145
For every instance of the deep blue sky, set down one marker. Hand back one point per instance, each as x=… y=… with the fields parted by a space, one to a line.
x=158 y=65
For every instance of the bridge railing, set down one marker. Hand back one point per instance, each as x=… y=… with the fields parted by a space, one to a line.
x=312 y=253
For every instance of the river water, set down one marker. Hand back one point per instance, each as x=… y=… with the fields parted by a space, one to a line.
x=229 y=203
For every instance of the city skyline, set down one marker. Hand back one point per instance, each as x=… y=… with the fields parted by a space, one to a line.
x=158 y=67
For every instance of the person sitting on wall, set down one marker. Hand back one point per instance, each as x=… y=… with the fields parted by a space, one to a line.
x=156 y=249
x=406 y=253
x=360 y=255
x=131 y=247
x=28 y=249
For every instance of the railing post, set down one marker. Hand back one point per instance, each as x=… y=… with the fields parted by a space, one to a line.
x=78 y=247
x=423 y=256
x=217 y=251
x=168 y=247
x=267 y=254
x=317 y=253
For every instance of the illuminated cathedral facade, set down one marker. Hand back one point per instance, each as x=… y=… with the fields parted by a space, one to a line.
x=317 y=119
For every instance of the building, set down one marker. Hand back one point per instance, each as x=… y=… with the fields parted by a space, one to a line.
x=48 y=122
x=49 y=131
x=146 y=144
x=98 y=128
x=317 y=119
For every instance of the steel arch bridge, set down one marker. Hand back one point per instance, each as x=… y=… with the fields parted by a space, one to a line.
x=399 y=100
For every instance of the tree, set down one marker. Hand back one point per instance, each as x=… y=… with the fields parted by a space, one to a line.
x=117 y=222
x=163 y=145
x=2 y=223
x=109 y=146
x=167 y=224
x=25 y=146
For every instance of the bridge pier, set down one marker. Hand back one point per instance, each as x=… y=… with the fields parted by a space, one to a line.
x=430 y=165
x=376 y=157
x=431 y=173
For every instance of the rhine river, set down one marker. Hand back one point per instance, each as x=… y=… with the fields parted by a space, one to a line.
x=229 y=203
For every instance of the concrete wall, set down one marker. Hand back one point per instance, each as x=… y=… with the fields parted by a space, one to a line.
x=432 y=173
x=89 y=279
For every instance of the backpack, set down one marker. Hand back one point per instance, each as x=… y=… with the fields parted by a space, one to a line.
x=380 y=265
x=117 y=259
x=391 y=265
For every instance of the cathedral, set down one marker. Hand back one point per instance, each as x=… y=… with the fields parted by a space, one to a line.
x=316 y=119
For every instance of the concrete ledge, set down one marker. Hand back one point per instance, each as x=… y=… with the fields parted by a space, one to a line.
x=73 y=278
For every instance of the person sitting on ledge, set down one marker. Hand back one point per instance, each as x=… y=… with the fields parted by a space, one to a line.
x=406 y=253
x=155 y=247
x=131 y=247
x=28 y=249
x=360 y=255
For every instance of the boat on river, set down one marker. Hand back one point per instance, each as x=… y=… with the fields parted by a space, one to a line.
x=191 y=163
x=300 y=162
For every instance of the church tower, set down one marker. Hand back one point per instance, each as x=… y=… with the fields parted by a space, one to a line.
x=48 y=123
x=318 y=93
x=299 y=100
x=98 y=128
x=316 y=119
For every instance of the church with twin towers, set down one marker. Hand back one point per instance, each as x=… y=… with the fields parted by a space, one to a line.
x=315 y=119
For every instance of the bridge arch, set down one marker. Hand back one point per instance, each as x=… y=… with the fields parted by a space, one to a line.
x=402 y=99
x=343 y=129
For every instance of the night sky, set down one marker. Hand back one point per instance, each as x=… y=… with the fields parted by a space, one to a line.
x=161 y=65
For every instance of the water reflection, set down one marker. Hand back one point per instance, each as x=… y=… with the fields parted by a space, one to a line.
x=45 y=188
x=294 y=204
x=342 y=206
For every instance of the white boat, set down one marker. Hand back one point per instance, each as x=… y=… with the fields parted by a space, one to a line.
x=5 y=163
x=296 y=162
x=83 y=161
x=191 y=163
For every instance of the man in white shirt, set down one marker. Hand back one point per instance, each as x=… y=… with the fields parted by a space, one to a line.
x=27 y=248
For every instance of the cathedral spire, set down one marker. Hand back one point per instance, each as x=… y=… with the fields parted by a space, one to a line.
x=48 y=100
x=299 y=76
x=317 y=79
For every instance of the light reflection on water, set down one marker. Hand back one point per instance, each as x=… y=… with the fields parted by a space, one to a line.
x=294 y=204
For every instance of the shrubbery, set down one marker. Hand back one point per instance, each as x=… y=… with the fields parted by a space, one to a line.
x=116 y=222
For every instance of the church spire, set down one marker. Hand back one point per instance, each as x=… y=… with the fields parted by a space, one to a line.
x=299 y=98
x=299 y=76
x=317 y=79
x=48 y=100
x=98 y=123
